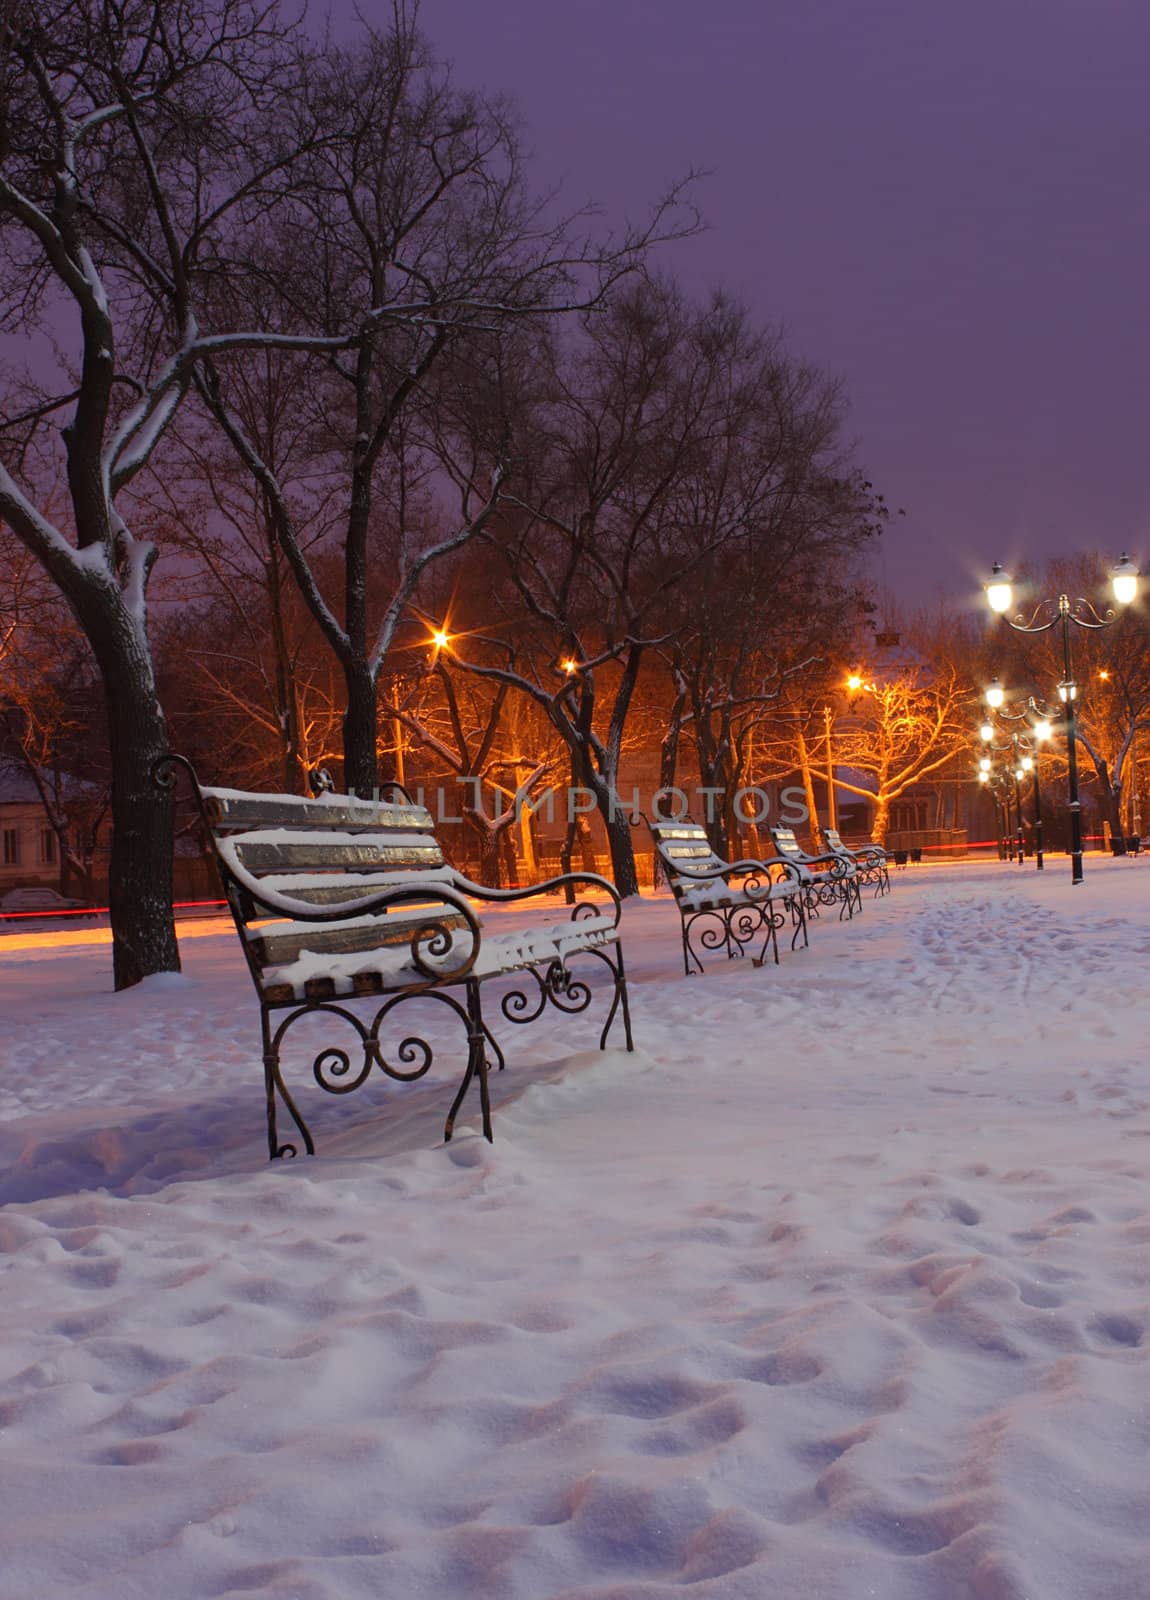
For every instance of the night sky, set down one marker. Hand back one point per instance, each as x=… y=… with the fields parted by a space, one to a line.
x=948 y=205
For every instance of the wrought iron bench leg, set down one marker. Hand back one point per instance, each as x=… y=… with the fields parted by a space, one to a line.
x=477 y=1037
x=798 y=922
x=687 y=951
x=768 y=912
x=273 y=1085
x=621 y=1000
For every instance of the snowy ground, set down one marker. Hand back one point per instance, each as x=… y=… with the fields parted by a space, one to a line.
x=839 y=1288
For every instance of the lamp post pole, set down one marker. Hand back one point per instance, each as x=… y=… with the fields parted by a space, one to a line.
x=832 y=820
x=1003 y=825
x=1068 y=692
x=1040 y=862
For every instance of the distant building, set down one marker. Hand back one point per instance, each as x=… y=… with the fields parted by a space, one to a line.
x=29 y=847
x=29 y=850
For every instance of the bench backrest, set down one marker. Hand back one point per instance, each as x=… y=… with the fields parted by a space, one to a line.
x=685 y=844
x=787 y=845
x=834 y=842
x=335 y=850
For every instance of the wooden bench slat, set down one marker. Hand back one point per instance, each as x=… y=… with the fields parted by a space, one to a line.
x=282 y=852
x=276 y=943
x=232 y=808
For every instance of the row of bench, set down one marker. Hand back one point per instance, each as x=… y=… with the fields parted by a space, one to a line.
x=337 y=899
x=728 y=905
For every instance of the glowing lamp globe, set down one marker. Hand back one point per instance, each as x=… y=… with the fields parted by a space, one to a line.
x=995 y=694
x=999 y=591
x=1124 y=581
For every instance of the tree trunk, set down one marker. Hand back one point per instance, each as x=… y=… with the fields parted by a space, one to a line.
x=490 y=858
x=140 y=874
x=1114 y=808
x=287 y=709
x=360 y=760
x=881 y=820
x=669 y=766
x=586 y=843
x=622 y=849
x=527 y=847
x=815 y=826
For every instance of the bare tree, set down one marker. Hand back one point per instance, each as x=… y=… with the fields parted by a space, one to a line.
x=417 y=201
x=132 y=138
x=592 y=543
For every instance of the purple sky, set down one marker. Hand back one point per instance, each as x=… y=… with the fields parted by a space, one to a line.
x=947 y=205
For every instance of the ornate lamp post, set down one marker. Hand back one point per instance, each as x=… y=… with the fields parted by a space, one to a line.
x=1024 y=748
x=998 y=785
x=1061 y=613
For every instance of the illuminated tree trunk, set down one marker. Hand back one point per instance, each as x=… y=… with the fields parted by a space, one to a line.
x=808 y=783
x=881 y=820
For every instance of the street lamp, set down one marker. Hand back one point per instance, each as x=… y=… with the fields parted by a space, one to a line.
x=1061 y=613
x=1023 y=747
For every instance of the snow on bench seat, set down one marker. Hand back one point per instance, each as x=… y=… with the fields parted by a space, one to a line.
x=388 y=970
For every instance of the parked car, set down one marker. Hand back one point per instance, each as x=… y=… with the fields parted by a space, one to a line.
x=37 y=899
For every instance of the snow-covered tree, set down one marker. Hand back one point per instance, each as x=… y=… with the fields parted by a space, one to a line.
x=907 y=722
x=134 y=139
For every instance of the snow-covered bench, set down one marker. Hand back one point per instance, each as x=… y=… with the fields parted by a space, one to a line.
x=870 y=861
x=726 y=905
x=337 y=899
x=828 y=879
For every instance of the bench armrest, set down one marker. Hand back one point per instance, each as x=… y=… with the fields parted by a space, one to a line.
x=430 y=938
x=762 y=869
x=549 y=886
x=837 y=866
